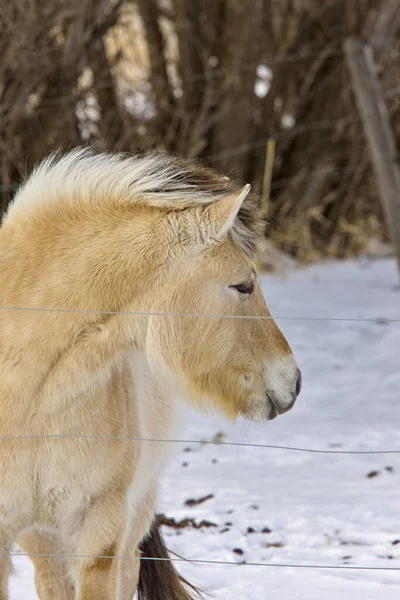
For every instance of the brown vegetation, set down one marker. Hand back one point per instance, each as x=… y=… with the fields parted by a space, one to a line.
x=181 y=74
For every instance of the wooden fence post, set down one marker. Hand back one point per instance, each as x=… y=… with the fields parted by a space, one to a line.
x=381 y=141
x=268 y=169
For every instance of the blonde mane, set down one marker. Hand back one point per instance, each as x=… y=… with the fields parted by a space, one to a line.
x=154 y=179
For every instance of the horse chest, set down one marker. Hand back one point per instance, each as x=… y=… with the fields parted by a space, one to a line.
x=83 y=466
x=159 y=415
x=58 y=480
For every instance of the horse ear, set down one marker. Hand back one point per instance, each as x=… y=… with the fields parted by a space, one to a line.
x=222 y=214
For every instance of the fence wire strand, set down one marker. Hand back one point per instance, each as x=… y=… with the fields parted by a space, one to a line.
x=379 y=320
x=206 y=562
x=62 y=436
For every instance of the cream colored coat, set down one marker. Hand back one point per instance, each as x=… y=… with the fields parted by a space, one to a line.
x=101 y=235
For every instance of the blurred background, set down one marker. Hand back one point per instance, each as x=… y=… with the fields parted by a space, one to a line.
x=215 y=80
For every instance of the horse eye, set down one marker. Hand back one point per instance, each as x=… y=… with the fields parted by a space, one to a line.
x=244 y=288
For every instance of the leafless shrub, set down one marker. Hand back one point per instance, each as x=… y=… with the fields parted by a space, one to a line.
x=211 y=80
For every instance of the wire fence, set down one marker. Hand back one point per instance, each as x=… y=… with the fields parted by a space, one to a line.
x=377 y=320
x=61 y=436
x=206 y=562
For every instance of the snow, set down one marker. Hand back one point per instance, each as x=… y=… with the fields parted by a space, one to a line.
x=263 y=82
x=315 y=509
x=261 y=88
x=288 y=121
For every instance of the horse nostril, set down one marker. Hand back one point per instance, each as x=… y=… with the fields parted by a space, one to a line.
x=298 y=382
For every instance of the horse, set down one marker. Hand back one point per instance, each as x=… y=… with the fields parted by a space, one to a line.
x=128 y=287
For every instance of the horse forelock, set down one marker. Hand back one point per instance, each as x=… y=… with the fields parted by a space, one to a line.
x=84 y=178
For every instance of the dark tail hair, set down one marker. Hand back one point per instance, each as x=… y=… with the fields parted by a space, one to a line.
x=158 y=579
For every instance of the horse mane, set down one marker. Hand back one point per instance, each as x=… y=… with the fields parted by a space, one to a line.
x=85 y=178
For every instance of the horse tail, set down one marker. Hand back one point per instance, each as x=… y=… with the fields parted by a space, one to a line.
x=158 y=579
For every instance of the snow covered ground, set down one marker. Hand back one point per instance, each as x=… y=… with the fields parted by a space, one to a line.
x=282 y=506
